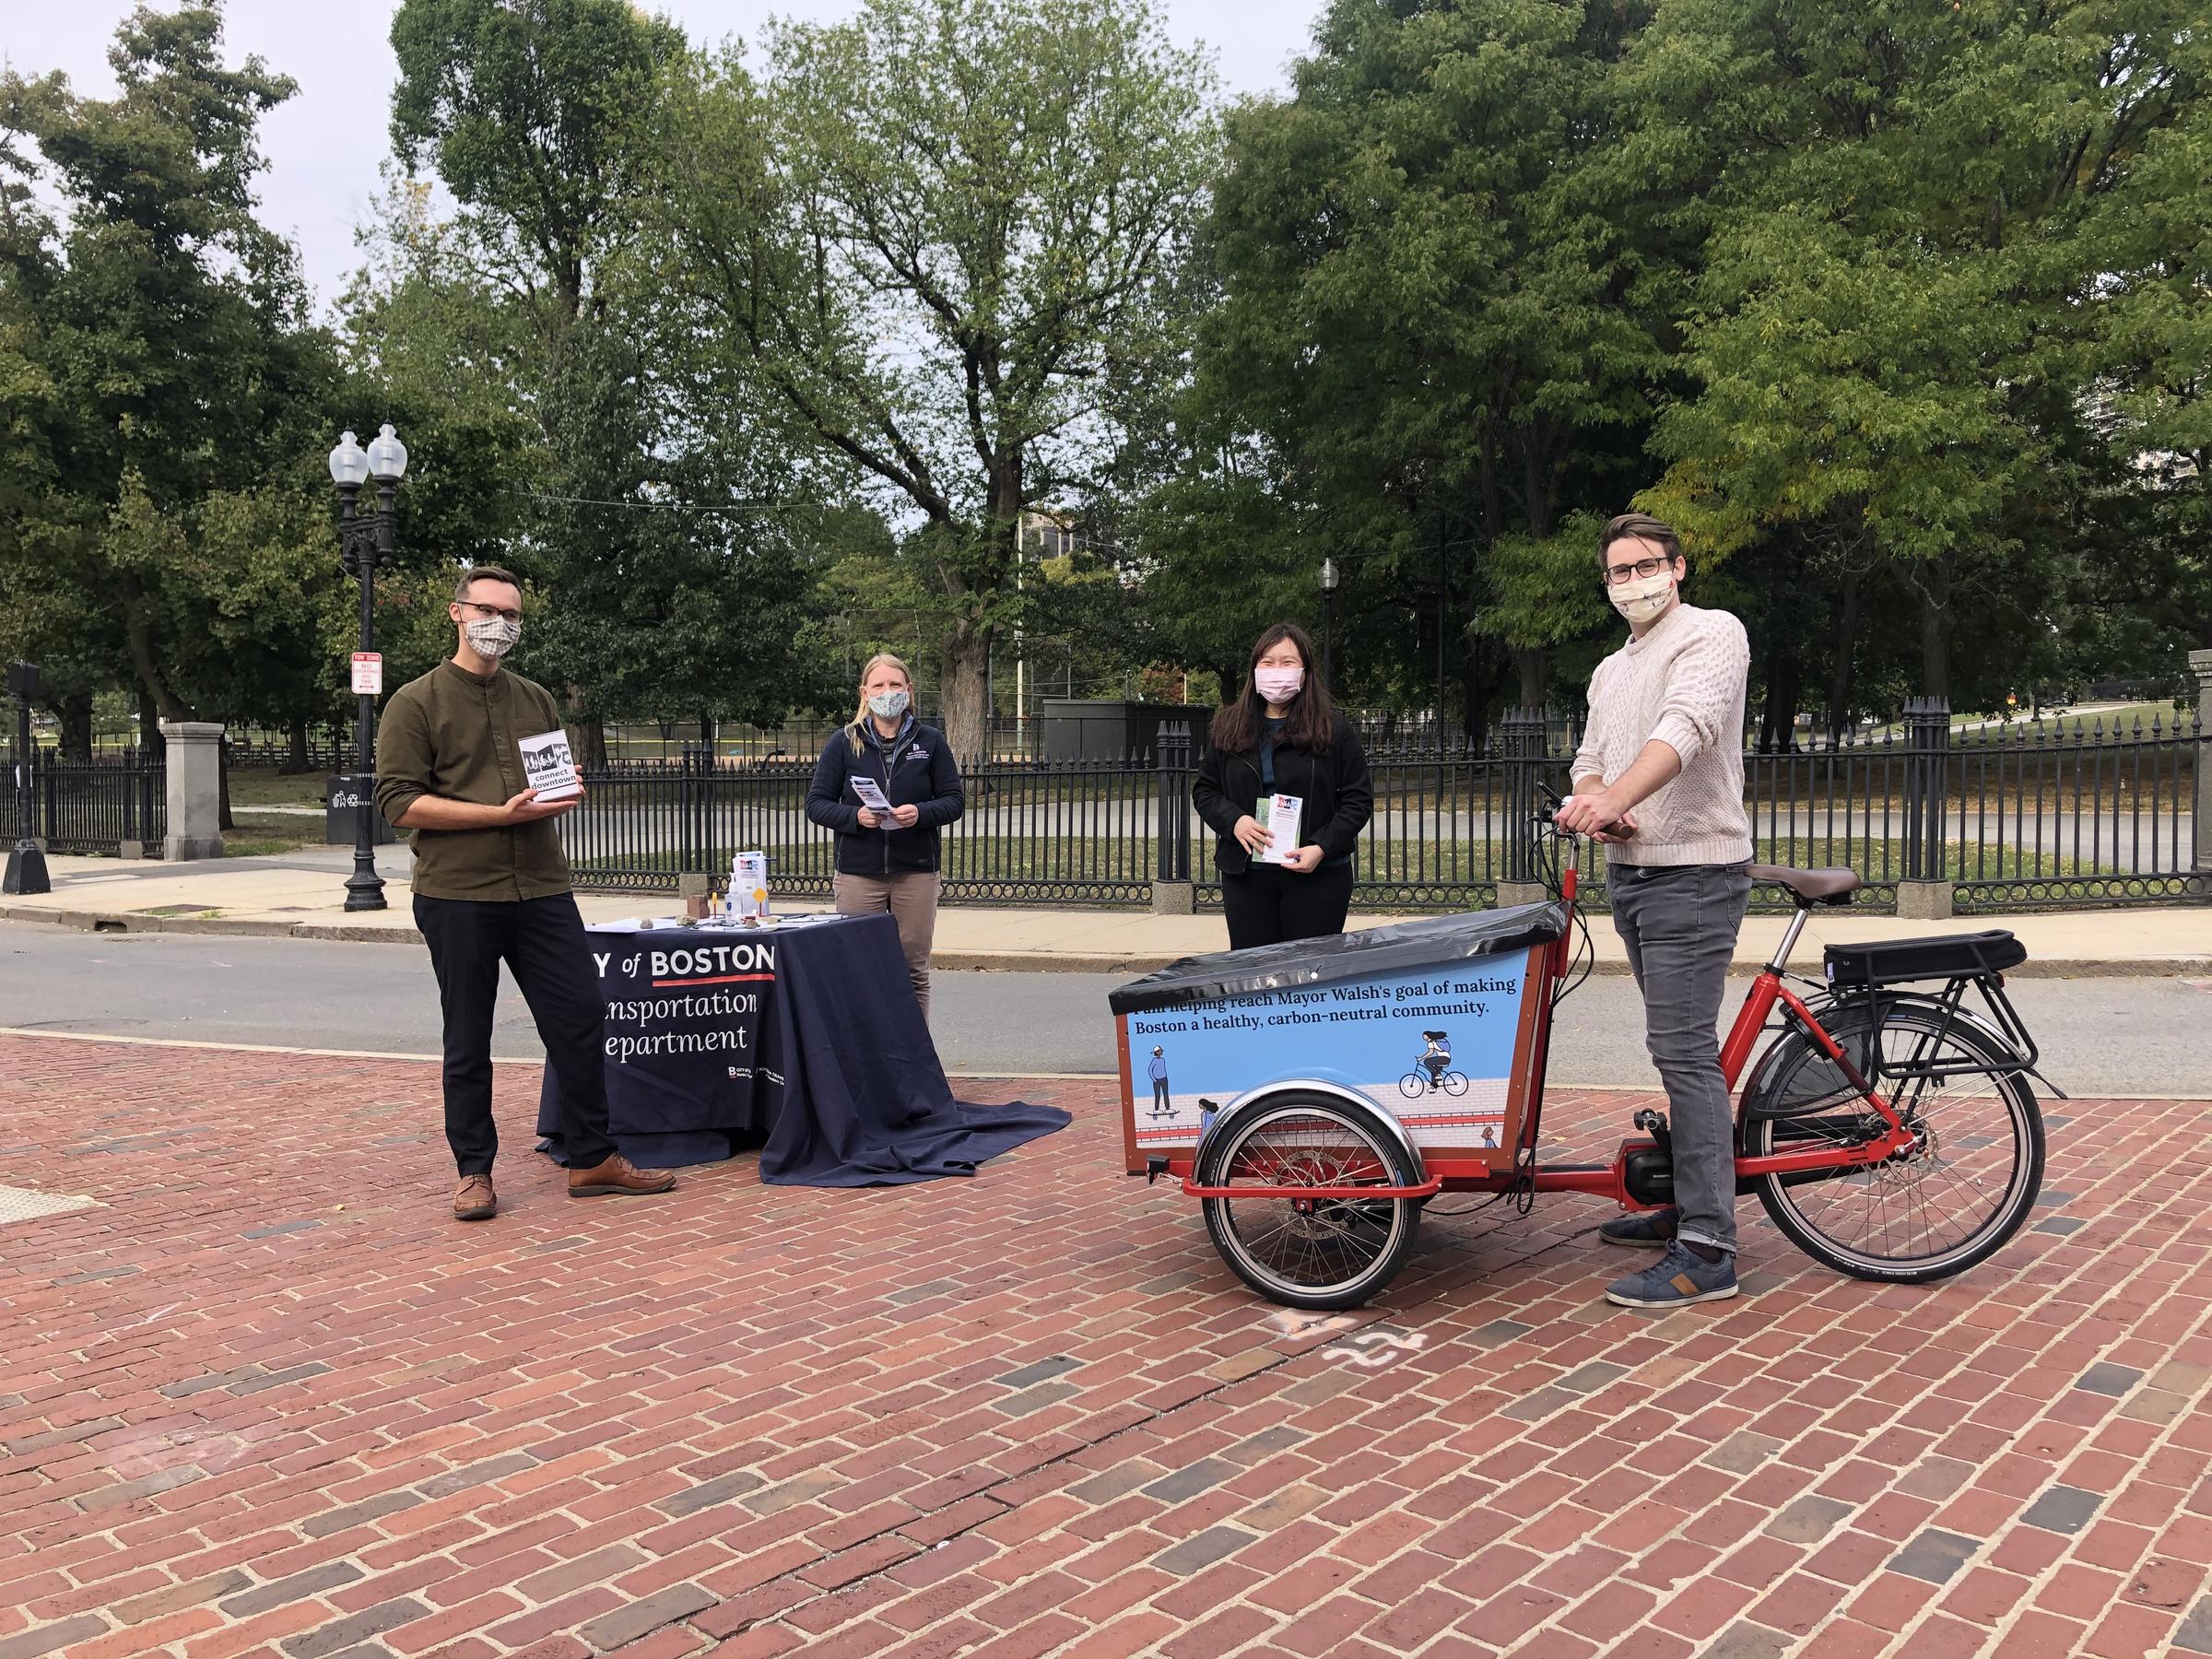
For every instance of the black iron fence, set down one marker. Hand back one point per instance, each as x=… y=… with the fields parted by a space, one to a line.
x=95 y=805
x=2007 y=814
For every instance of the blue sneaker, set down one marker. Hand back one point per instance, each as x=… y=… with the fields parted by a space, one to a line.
x=1640 y=1228
x=1676 y=1280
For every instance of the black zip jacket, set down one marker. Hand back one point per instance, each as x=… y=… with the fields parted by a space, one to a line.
x=1339 y=796
x=915 y=768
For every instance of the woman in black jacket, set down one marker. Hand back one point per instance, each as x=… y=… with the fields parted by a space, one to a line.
x=1284 y=736
x=888 y=862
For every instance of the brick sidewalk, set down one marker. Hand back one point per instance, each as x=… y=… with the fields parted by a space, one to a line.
x=268 y=1400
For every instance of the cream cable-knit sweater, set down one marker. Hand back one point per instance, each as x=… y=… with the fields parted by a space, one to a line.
x=1682 y=683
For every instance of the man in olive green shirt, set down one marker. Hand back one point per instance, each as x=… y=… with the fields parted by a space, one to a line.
x=492 y=885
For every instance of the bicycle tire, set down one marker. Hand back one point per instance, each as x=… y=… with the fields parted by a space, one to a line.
x=1804 y=1097
x=1369 y=1240
x=1414 y=1085
x=1455 y=1083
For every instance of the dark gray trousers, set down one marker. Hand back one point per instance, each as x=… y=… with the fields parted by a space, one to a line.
x=1679 y=924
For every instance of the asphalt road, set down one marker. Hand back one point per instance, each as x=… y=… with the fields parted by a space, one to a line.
x=2099 y=1036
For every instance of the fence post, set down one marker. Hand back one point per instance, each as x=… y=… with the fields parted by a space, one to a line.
x=50 y=806
x=2200 y=664
x=1524 y=735
x=1174 y=892
x=1925 y=893
x=132 y=844
x=195 y=789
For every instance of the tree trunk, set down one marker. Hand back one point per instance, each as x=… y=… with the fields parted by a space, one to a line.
x=587 y=732
x=1529 y=662
x=296 y=760
x=222 y=774
x=1841 y=663
x=75 y=713
x=1936 y=621
x=1778 y=721
x=150 y=740
x=967 y=664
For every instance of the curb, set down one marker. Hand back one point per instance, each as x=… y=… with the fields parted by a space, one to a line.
x=965 y=961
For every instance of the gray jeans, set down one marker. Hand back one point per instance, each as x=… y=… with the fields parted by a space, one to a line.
x=1679 y=922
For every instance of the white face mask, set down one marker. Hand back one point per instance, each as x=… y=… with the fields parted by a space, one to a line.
x=888 y=705
x=1279 y=685
x=491 y=637
x=1641 y=598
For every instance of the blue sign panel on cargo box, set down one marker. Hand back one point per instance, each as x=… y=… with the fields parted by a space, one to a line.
x=1434 y=1047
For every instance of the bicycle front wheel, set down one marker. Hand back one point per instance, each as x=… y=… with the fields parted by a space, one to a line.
x=1414 y=1085
x=1310 y=1253
x=1951 y=1201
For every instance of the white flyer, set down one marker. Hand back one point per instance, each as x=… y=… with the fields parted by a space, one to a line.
x=872 y=797
x=1279 y=815
x=548 y=767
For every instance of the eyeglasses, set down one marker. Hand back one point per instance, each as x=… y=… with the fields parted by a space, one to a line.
x=1617 y=574
x=492 y=610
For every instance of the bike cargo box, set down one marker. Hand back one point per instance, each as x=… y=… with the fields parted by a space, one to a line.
x=1433 y=1021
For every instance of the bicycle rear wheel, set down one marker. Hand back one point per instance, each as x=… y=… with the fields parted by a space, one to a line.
x=1947 y=1203
x=1311 y=1253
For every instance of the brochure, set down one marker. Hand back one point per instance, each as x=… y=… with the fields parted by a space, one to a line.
x=872 y=797
x=1279 y=815
x=549 y=767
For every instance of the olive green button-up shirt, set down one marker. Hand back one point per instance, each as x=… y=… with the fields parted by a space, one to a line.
x=457 y=735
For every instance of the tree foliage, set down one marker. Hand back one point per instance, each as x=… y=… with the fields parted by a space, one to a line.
x=943 y=238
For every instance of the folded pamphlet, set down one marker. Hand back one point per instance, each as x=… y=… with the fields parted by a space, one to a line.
x=872 y=797
x=548 y=767
x=1279 y=815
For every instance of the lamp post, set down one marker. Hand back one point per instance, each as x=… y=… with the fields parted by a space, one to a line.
x=364 y=544
x=26 y=863
x=1329 y=579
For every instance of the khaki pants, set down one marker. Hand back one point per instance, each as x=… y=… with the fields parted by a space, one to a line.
x=912 y=898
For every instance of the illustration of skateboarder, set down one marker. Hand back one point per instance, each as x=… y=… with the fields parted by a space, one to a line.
x=1157 y=1072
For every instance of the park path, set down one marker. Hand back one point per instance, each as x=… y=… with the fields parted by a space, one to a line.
x=264 y=1399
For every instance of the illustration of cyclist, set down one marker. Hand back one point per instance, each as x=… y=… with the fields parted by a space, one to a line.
x=1437 y=1056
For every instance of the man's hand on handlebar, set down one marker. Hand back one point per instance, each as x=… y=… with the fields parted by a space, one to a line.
x=1596 y=816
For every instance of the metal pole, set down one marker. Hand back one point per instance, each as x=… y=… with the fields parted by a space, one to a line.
x=2200 y=664
x=370 y=544
x=25 y=861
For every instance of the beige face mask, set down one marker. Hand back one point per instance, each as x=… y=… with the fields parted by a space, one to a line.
x=1644 y=598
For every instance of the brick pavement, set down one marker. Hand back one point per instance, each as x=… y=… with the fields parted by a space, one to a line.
x=268 y=1401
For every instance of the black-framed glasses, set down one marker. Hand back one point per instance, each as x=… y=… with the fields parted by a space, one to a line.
x=492 y=610
x=1646 y=568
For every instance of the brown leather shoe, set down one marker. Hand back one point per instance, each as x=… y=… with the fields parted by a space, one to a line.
x=619 y=1178
x=473 y=1200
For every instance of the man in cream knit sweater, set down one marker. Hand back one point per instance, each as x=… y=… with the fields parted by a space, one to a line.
x=1660 y=779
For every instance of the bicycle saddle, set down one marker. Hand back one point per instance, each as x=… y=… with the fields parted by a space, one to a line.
x=1821 y=886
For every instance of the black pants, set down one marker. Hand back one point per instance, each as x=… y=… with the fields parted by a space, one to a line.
x=1268 y=904
x=542 y=942
x=1159 y=1094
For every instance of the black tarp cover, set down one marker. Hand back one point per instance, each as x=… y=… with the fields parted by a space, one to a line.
x=1297 y=962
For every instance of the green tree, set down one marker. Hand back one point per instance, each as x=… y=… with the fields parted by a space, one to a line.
x=660 y=545
x=1915 y=229
x=1441 y=327
x=166 y=380
x=944 y=240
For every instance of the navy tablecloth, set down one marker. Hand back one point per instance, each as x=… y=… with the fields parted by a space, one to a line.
x=807 y=1041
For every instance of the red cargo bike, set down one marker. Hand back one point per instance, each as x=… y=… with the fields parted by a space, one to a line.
x=1889 y=1128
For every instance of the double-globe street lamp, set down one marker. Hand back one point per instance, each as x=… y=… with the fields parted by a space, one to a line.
x=365 y=544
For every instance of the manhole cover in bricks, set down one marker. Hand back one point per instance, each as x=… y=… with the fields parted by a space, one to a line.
x=20 y=1203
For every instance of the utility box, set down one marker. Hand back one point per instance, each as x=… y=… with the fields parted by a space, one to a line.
x=347 y=796
x=1080 y=728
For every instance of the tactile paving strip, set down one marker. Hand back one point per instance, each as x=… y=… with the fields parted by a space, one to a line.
x=21 y=1204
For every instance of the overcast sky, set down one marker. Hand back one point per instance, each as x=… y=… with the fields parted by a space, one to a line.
x=325 y=145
